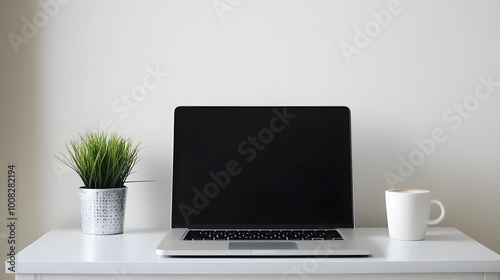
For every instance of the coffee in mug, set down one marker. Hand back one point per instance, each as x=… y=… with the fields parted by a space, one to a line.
x=408 y=213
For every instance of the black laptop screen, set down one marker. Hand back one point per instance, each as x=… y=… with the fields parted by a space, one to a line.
x=262 y=167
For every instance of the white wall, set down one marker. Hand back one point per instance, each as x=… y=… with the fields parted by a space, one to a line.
x=410 y=78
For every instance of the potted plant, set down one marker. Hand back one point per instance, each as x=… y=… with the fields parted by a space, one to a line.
x=103 y=161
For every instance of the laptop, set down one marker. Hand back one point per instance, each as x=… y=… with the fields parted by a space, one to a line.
x=262 y=181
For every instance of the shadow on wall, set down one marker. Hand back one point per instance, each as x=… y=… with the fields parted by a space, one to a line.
x=21 y=23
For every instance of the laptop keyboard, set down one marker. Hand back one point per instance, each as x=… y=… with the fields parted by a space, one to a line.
x=250 y=234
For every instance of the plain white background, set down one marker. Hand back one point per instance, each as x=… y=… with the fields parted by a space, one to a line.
x=422 y=79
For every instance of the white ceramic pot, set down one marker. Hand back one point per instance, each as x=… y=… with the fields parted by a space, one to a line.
x=103 y=210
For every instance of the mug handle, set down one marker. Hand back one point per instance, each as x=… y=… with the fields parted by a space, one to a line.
x=441 y=217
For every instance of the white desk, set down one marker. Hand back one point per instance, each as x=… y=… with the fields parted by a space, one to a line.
x=446 y=254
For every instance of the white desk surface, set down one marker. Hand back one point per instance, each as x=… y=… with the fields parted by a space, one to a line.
x=69 y=251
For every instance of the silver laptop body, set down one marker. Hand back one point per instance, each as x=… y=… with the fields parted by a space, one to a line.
x=262 y=181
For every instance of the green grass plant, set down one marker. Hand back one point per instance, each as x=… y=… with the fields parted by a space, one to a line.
x=102 y=160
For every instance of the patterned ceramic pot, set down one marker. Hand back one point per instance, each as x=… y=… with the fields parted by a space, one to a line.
x=103 y=210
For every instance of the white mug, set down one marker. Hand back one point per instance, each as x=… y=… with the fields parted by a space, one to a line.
x=408 y=213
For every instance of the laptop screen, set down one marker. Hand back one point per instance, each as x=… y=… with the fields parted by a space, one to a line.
x=262 y=167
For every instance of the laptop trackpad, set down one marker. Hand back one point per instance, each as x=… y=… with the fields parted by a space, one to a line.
x=262 y=245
